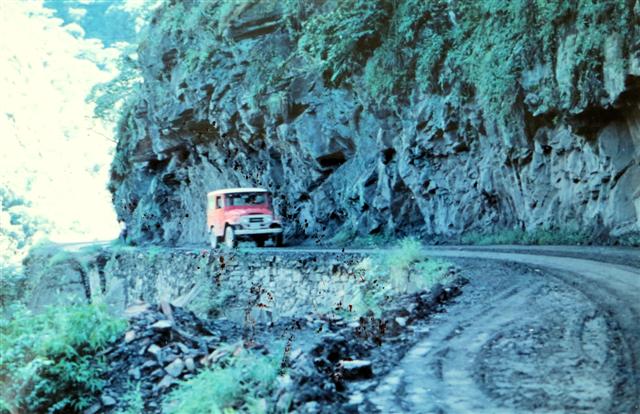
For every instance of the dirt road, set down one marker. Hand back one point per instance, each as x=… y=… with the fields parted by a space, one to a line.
x=544 y=330
x=530 y=334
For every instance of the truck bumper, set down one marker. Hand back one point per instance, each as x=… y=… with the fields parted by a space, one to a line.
x=251 y=232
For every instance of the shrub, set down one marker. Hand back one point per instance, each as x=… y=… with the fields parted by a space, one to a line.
x=568 y=235
x=13 y=284
x=338 y=42
x=47 y=361
x=400 y=259
x=240 y=382
x=404 y=269
x=409 y=268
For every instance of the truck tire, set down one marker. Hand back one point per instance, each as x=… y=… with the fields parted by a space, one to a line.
x=277 y=240
x=213 y=239
x=260 y=240
x=230 y=237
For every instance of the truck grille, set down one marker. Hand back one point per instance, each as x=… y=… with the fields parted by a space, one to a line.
x=256 y=220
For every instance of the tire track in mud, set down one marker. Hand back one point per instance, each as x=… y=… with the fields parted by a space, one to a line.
x=521 y=339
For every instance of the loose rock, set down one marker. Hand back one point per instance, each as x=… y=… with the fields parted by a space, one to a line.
x=356 y=369
x=162 y=325
x=190 y=364
x=107 y=401
x=154 y=350
x=175 y=368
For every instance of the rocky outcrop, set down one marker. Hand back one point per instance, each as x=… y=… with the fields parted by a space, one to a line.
x=439 y=165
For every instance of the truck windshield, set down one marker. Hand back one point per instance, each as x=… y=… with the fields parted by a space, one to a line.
x=246 y=199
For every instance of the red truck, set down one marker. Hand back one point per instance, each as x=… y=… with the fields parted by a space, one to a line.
x=242 y=214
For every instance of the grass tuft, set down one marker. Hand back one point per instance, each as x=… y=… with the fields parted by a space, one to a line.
x=569 y=235
x=239 y=383
x=404 y=269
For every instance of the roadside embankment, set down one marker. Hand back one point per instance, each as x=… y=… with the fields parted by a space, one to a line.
x=317 y=322
x=220 y=283
x=234 y=284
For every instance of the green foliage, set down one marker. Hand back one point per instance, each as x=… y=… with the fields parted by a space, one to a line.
x=133 y=402
x=18 y=226
x=110 y=97
x=13 y=283
x=48 y=362
x=18 y=231
x=409 y=268
x=485 y=44
x=547 y=54
x=568 y=235
x=498 y=39
x=411 y=48
x=239 y=383
x=403 y=269
x=340 y=40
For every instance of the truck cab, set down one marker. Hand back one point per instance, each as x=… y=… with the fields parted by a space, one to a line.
x=235 y=214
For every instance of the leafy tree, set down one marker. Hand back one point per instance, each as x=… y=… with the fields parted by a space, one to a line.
x=18 y=229
x=110 y=97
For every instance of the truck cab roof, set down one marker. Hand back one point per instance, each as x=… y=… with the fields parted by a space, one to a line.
x=238 y=190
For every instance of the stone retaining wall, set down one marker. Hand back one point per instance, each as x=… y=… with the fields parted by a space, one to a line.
x=221 y=283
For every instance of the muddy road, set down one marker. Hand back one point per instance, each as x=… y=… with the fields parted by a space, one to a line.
x=533 y=331
x=520 y=339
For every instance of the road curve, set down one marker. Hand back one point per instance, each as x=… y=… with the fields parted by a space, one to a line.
x=622 y=278
x=537 y=330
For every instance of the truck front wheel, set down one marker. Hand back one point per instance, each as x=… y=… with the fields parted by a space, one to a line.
x=277 y=240
x=213 y=239
x=230 y=237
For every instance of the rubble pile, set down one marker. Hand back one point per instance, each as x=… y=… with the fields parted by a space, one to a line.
x=346 y=359
x=329 y=361
x=163 y=345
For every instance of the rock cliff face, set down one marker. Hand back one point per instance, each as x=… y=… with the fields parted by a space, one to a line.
x=437 y=165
